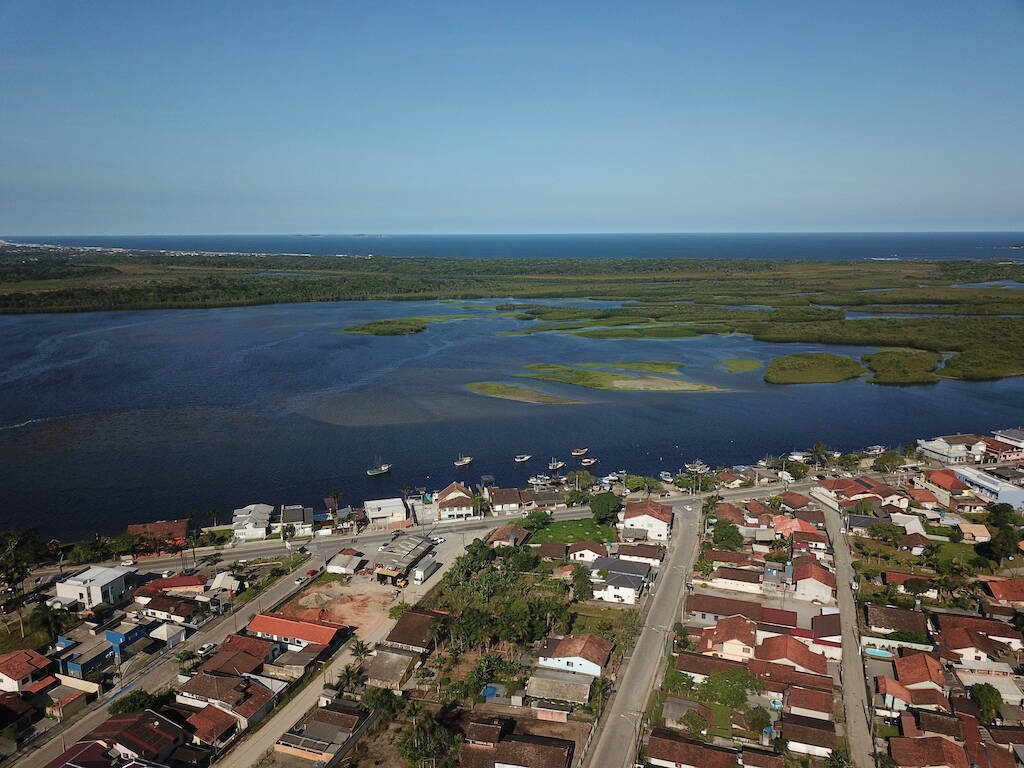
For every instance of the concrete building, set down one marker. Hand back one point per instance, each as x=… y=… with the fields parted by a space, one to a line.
x=991 y=488
x=954 y=449
x=587 y=654
x=385 y=513
x=95 y=585
x=252 y=522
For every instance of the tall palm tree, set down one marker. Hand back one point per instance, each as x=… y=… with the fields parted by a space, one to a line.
x=350 y=676
x=48 y=621
x=191 y=533
x=213 y=515
x=360 y=650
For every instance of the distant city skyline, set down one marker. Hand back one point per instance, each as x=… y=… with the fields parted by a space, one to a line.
x=532 y=118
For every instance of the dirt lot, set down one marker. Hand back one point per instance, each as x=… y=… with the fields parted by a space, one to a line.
x=361 y=603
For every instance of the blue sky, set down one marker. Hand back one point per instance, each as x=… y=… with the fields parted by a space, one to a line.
x=374 y=116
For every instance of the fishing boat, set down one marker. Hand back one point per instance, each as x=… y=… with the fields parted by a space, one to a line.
x=539 y=480
x=579 y=451
x=522 y=458
x=555 y=464
x=588 y=462
x=612 y=478
x=698 y=466
x=378 y=469
x=463 y=460
x=666 y=477
x=874 y=450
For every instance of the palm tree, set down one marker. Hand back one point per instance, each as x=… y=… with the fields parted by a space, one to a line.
x=213 y=515
x=350 y=676
x=191 y=532
x=819 y=451
x=360 y=650
x=48 y=621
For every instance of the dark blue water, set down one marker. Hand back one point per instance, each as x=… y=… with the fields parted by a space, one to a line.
x=117 y=417
x=807 y=246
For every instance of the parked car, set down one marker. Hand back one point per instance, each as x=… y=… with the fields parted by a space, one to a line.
x=167 y=574
x=301 y=579
x=382 y=547
x=438 y=540
x=206 y=648
x=34 y=598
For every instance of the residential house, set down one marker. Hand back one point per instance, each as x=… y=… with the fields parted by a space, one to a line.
x=730 y=638
x=558 y=685
x=737 y=579
x=96 y=584
x=455 y=502
x=212 y=727
x=964 y=646
x=813 y=516
x=896 y=697
x=915 y=543
x=808 y=702
x=925 y=498
x=729 y=480
x=295 y=634
x=950 y=491
x=162 y=533
x=927 y=752
x=778 y=678
x=699 y=666
x=710 y=608
x=390 y=668
x=886 y=619
x=145 y=735
x=295 y=520
x=490 y=743
x=920 y=670
x=322 y=733
x=1011 y=436
x=622 y=588
x=794 y=501
x=587 y=551
x=1007 y=593
x=416 y=630
x=729 y=512
x=173 y=610
x=954 y=449
x=251 y=522
x=551 y=551
x=243 y=697
x=649 y=516
x=974 y=533
x=808 y=735
x=999 y=631
x=617 y=565
x=504 y=500
x=827 y=627
x=508 y=536
x=651 y=554
x=900 y=580
x=813 y=581
x=786 y=649
x=916 y=723
x=587 y=654
x=19 y=669
x=672 y=750
x=1001 y=451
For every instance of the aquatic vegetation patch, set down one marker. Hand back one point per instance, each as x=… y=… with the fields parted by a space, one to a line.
x=812 y=368
x=903 y=366
x=739 y=364
x=520 y=394
x=595 y=379
x=400 y=326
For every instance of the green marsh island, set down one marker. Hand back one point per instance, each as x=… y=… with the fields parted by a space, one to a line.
x=519 y=394
x=812 y=368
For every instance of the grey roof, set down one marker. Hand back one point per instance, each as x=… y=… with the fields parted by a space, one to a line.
x=1013 y=434
x=403 y=553
x=615 y=565
x=390 y=664
x=296 y=513
x=625 y=580
x=865 y=521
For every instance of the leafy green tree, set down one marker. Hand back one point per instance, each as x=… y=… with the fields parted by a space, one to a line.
x=582 y=588
x=916 y=586
x=889 y=461
x=988 y=699
x=382 y=701
x=693 y=723
x=536 y=520
x=521 y=559
x=730 y=687
x=703 y=566
x=863 y=507
x=848 y=461
x=575 y=498
x=426 y=740
x=1002 y=516
x=726 y=535
x=580 y=478
x=398 y=610
x=758 y=718
x=605 y=508
x=890 y=533
x=350 y=677
x=48 y=621
x=838 y=759
x=135 y=701
x=1002 y=545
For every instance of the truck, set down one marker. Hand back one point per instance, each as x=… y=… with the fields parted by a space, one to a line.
x=424 y=570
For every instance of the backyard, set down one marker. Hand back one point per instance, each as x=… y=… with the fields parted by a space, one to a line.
x=570 y=531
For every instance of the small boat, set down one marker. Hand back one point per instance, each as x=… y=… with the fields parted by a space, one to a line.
x=522 y=458
x=620 y=472
x=555 y=464
x=463 y=460
x=579 y=451
x=698 y=466
x=874 y=450
x=588 y=462
x=612 y=478
x=666 y=477
x=539 y=480
x=379 y=469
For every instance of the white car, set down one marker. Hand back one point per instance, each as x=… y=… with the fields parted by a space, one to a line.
x=382 y=547
x=206 y=648
x=166 y=574
x=438 y=540
x=300 y=579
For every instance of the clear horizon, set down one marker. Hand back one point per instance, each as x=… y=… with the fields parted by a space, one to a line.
x=462 y=118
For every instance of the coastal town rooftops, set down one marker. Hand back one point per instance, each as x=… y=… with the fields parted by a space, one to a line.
x=809 y=730
x=17 y=665
x=738 y=574
x=552 y=550
x=415 y=629
x=1007 y=591
x=646 y=551
x=727 y=606
x=795 y=500
x=307 y=630
x=296 y=514
x=254 y=646
x=789 y=648
x=813 y=516
x=737 y=628
x=161 y=530
x=730 y=512
x=753 y=758
x=662 y=512
x=919 y=668
x=946 y=479
x=232 y=662
x=778 y=677
x=826 y=625
x=927 y=752
x=98 y=575
x=504 y=497
x=594 y=649
x=518 y=750
x=700 y=664
x=810 y=699
x=987 y=627
x=989 y=755
x=816 y=571
x=211 y=723
x=668 y=746
x=918 y=697
x=615 y=565
x=588 y=546
x=509 y=534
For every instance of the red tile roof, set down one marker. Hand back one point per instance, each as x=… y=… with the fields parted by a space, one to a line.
x=814 y=570
x=511 y=533
x=989 y=755
x=162 y=530
x=308 y=630
x=730 y=512
x=231 y=662
x=730 y=628
x=590 y=647
x=177 y=582
x=662 y=512
x=147 y=733
x=19 y=664
x=808 y=698
x=922 y=495
x=795 y=500
x=927 y=752
x=946 y=479
x=987 y=627
x=1007 y=591
x=727 y=606
x=779 y=677
x=668 y=746
x=919 y=668
x=254 y=646
x=917 y=697
x=902 y=578
x=588 y=546
x=699 y=664
x=789 y=648
x=211 y=723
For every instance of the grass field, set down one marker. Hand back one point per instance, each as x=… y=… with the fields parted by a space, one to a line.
x=595 y=379
x=903 y=366
x=812 y=368
x=571 y=531
x=520 y=394
x=953 y=550
x=401 y=326
x=739 y=365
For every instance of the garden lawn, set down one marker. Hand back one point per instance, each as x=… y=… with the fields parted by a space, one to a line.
x=571 y=531
x=950 y=550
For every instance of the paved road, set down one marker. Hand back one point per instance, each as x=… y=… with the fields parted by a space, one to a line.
x=616 y=743
x=854 y=684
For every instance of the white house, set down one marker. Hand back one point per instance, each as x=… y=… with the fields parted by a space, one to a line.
x=587 y=654
x=587 y=551
x=385 y=512
x=95 y=585
x=454 y=503
x=954 y=449
x=621 y=588
x=21 y=668
x=505 y=500
x=252 y=522
x=813 y=581
x=648 y=516
x=296 y=518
